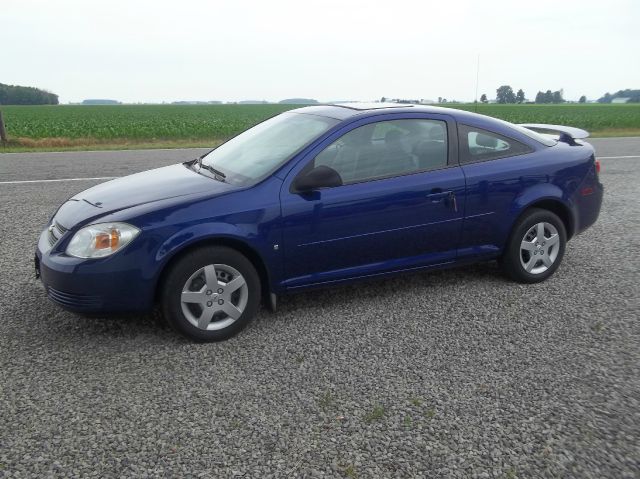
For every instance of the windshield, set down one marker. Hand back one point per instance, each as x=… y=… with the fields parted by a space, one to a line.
x=255 y=153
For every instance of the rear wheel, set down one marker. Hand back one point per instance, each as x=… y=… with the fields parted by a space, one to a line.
x=211 y=294
x=536 y=247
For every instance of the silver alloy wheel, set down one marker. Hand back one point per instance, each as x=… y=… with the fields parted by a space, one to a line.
x=539 y=248
x=214 y=297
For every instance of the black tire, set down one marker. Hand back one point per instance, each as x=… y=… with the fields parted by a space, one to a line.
x=184 y=268
x=511 y=259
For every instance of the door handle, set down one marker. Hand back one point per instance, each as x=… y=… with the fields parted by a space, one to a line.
x=436 y=195
x=452 y=201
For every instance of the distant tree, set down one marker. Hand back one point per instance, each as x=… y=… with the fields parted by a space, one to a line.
x=383 y=99
x=548 y=96
x=101 y=101
x=444 y=100
x=557 y=97
x=520 y=96
x=505 y=94
x=483 y=98
x=539 y=97
x=606 y=98
x=298 y=101
x=25 y=95
x=633 y=95
x=583 y=99
x=439 y=99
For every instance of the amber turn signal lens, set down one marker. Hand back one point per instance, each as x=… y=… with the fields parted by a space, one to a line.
x=108 y=240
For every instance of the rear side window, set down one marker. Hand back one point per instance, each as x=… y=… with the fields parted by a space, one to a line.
x=386 y=149
x=477 y=144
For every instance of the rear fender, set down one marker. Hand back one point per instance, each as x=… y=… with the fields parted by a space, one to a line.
x=547 y=196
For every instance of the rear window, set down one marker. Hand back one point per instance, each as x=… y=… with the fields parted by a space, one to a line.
x=534 y=135
x=477 y=144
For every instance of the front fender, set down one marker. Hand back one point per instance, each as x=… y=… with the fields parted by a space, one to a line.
x=252 y=242
x=195 y=234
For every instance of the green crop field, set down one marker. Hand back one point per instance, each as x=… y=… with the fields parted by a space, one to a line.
x=127 y=126
x=592 y=117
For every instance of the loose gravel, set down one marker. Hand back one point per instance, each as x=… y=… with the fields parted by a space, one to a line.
x=456 y=373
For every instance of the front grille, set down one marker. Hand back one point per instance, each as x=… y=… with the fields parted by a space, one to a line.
x=55 y=232
x=75 y=301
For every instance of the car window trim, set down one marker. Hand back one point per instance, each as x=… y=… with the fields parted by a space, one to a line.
x=452 y=144
x=378 y=178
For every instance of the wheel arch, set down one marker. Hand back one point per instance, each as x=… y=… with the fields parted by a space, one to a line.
x=242 y=247
x=556 y=206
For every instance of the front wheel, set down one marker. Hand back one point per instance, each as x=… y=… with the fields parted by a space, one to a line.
x=211 y=294
x=536 y=247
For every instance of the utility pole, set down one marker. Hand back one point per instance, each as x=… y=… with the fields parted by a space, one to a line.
x=3 y=131
x=477 y=79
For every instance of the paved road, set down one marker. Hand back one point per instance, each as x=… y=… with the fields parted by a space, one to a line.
x=83 y=164
x=450 y=374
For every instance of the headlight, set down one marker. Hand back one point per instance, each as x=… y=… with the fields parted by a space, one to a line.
x=97 y=241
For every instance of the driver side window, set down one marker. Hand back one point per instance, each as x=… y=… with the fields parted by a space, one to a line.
x=386 y=149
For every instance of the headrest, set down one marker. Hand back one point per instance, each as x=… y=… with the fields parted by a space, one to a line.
x=392 y=136
x=436 y=133
x=486 y=140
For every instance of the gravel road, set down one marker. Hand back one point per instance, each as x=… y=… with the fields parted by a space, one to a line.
x=455 y=373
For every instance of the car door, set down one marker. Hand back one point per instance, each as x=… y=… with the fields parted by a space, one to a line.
x=399 y=207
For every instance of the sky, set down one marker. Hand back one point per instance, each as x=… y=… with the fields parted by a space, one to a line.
x=154 y=51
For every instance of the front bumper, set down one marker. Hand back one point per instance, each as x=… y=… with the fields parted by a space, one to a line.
x=105 y=285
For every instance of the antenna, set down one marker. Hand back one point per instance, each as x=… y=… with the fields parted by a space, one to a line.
x=477 y=78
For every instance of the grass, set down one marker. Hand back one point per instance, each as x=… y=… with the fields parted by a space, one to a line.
x=350 y=471
x=75 y=127
x=62 y=144
x=375 y=414
x=594 y=118
x=326 y=400
x=511 y=473
x=430 y=413
x=68 y=127
x=407 y=421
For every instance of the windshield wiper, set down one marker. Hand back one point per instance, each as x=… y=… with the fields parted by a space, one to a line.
x=193 y=162
x=217 y=173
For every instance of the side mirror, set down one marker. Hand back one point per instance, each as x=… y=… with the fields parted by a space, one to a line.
x=320 y=177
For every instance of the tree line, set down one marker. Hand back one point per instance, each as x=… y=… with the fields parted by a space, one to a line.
x=505 y=94
x=632 y=95
x=25 y=95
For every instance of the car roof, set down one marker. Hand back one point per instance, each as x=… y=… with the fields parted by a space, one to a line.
x=342 y=111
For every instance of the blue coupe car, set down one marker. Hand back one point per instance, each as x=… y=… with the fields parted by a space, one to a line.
x=318 y=196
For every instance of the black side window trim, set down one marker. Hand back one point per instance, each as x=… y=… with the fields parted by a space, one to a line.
x=388 y=177
x=465 y=157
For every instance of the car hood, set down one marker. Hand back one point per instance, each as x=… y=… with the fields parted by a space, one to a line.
x=154 y=185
